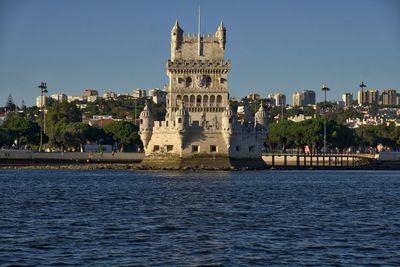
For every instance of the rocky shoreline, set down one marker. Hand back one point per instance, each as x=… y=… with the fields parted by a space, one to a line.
x=108 y=166
x=89 y=166
x=140 y=166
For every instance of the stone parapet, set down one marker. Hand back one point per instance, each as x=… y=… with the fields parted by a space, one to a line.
x=198 y=66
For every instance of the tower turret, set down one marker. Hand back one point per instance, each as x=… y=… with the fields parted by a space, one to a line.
x=221 y=35
x=176 y=39
x=261 y=119
x=227 y=124
x=146 y=125
x=182 y=124
x=182 y=118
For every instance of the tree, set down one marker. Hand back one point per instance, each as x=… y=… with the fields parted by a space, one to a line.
x=279 y=136
x=22 y=130
x=5 y=137
x=58 y=117
x=125 y=133
x=372 y=135
x=75 y=135
x=288 y=134
x=10 y=103
x=340 y=136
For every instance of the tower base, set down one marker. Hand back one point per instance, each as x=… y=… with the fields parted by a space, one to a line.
x=200 y=162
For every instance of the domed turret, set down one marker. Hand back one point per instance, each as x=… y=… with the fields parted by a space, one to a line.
x=227 y=119
x=261 y=119
x=176 y=39
x=181 y=124
x=146 y=125
x=227 y=124
x=221 y=34
x=182 y=118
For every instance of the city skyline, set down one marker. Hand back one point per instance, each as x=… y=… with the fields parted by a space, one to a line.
x=275 y=46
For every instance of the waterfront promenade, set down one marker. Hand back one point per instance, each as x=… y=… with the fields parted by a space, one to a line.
x=15 y=158
x=302 y=160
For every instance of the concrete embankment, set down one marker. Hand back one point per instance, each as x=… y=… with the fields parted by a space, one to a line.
x=19 y=159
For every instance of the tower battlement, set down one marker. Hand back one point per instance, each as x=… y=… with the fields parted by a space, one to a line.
x=196 y=46
x=205 y=37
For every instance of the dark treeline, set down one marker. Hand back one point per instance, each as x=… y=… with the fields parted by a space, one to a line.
x=296 y=135
x=64 y=130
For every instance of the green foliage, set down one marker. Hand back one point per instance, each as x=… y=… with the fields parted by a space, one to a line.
x=74 y=135
x=5 y=137
x=293 y=112
x=10 y=103
x=22 y=130
x=58 y=117
x=372 y=135
x=342 y=115
x=125 y=133
x=118 y=108
x=63 y=112
x=288 y=134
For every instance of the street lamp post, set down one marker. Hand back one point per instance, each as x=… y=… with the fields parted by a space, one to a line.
x=325 y=89
x=43 y=89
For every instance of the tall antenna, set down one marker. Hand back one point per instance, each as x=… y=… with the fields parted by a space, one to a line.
x=198 y=33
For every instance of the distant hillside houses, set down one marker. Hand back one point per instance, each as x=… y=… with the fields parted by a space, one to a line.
x=371 y=120
x=157 y=95
x=101 y=120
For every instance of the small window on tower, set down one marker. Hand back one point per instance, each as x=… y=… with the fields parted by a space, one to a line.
x=251 y=148
x=206 y=80
x=237 y=148
x=188 y=81
x=230 y=120
x=141 y=121
x=195 y=149
x=156 y=148
x=213 y=148
x=169 y=148
x=179 y=120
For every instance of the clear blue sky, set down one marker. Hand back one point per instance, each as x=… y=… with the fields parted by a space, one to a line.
x=275 y=46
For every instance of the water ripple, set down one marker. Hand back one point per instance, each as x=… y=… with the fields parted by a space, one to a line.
x=271 y=218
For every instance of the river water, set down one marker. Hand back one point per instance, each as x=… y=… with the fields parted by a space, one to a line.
x=143 y=218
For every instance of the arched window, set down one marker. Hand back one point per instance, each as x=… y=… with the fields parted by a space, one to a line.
x=205 y=100
x=192 y=100
x=198 y=101
x=206 y=80
x=186 y=100
x=212 y=100
x=188 y=81
x=178 y=100
x=219 y=100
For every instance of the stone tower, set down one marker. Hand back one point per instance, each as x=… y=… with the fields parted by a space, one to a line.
x=200 y=128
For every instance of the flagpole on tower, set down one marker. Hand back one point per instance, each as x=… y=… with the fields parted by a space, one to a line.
x=199 y=32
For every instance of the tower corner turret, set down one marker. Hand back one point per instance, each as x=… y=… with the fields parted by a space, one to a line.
x=221 y=35
x=146 y=125
x=261 y=120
